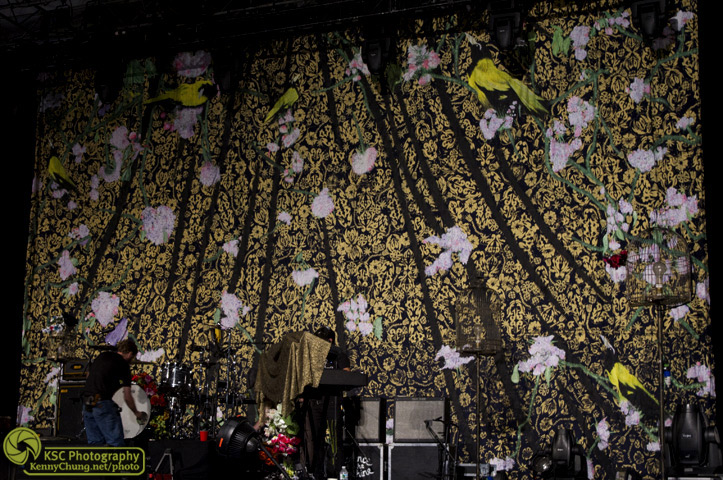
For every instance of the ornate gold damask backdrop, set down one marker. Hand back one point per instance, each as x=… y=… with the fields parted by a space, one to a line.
x=369 y=204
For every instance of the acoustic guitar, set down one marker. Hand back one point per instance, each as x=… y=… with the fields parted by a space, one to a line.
x=131 y=425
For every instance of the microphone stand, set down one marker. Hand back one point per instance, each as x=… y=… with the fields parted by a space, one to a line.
x=356 y=446
x=443 y=446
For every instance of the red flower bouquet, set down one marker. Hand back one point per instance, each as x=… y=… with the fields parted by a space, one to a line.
x=146 y=382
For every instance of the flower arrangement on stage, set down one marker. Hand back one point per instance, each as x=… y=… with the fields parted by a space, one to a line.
x=159 y=423
x=159 y=412
x=146 y=382
x=280 y=438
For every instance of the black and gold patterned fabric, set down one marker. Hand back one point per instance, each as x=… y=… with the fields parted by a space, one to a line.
x=370 y=201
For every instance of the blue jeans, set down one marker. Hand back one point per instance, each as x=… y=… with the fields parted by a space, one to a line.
x=103 y=425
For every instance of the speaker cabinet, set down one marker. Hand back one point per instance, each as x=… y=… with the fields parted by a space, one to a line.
x=372 y=420
x=414 y=461
x=69 y=418
x=75 y=370
x=370 y=462
x=413 y=415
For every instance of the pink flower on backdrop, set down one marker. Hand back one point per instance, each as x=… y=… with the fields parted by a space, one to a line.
x=617 y=275
x=452 y=358
x=231 y=247
x=158 y=224
x=150 y=355
x=288 y=117
x=192 y=65
x=544 y=355
x=284 y=217
x=363 y=162
x=297 y=162
x=490 y=122
x=632 y=414
x=105 y=307
x=290 y=138
x=603 y=433
x=230 y=306
x=680 y=19
x=679 y=313
x=454 y=240
x=111 y=173
x=67 y=265
x=358 y=318
x=57 y=193
x=288 y=175
x=701 y=291
x=560 y=152
x=24 y=416
x=580 y=35
x=37 y=185
x=580 y=114
x=80 y=233
x=420 y=61
x=210 y=174
x=638 y=89
x=505 y=464
x=684 y=123
x=119 y=138
x=304 y=277
x=186 y=120
x=702 y=374
x=357 y=68
x=644 y=160
x=322 y=205
x=78 y=151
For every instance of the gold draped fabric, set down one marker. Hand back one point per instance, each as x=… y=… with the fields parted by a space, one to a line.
x=289 y=366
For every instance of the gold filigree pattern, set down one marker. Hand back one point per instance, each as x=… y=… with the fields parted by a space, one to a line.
x=539 y=230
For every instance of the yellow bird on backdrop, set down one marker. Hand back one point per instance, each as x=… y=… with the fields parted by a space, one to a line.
x=627 y=385
x=187 y=94
x=286 y=100
x=59 y=175
x=497 y=89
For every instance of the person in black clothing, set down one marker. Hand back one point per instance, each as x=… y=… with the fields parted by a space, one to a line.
x=109 y=372
x=336 y=359
x=315 y=411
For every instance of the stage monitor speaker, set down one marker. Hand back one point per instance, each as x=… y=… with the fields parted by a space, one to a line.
x=372 y=420
x=414 y=461
x=412 y=415
x=69 y=417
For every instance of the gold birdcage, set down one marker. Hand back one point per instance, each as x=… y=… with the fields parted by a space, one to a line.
x=477 y=315
x=658 y=270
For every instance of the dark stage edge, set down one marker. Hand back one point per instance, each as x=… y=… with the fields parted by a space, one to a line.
x=192 y=460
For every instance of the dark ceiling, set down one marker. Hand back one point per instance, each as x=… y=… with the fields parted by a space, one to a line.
x=47 y=33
